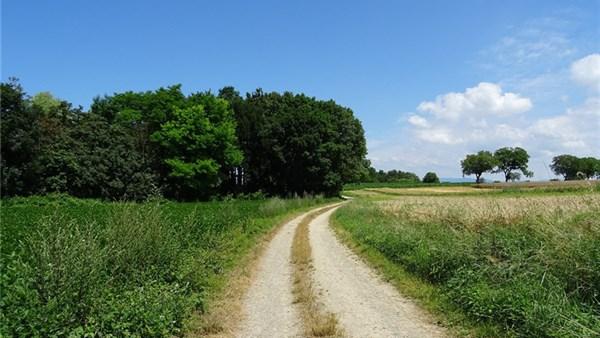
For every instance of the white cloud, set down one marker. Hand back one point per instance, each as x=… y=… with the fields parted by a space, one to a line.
x=586 y=71
x=536 y=62
x=418 y=121
x=439 y=135
x=531 y=47
x=484 y=99
x=576 y=130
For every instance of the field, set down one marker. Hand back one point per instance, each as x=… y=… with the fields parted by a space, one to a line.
x=82 y=267
x=510 y=262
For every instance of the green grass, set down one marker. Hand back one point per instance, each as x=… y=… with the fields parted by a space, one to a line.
x=401 y=184
x=87 y=268
x=502 y=265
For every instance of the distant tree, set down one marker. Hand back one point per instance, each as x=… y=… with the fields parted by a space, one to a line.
x=589 y=166
x=509 y=160
x=477 y=164
x=566 y=166
x=514 y=176
x=431 y=177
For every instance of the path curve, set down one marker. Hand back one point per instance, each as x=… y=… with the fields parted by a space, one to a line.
x=268 y=308
x=364 y=304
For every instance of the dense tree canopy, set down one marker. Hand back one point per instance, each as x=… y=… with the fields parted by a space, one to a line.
x=572 y=167
x=295 y=144
x=134 y=144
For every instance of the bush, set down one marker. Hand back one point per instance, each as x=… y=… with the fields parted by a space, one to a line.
x=431 y=177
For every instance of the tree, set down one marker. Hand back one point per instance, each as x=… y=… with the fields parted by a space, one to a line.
x=295 y=144
x=431 y=177
x=566 y=166
x=19 y=140
x=477 y=164
x=199 y=144
x=589 y=166
x=509 y=160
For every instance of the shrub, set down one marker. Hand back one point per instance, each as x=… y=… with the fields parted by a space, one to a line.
x=431 y=177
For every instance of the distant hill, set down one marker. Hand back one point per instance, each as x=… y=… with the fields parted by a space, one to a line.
x=457 y=180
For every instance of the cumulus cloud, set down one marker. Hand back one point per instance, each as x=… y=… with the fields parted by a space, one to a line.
x=586 y=71
x=577 y=129
x=482 y=100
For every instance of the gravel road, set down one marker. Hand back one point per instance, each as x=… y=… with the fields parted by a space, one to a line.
x=365 y=305
x=268 y=309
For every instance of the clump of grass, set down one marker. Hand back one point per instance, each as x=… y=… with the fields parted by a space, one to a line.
x=317 y=322
x=71 y=267
x=530 y=265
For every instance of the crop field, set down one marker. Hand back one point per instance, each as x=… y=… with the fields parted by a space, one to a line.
x=83 y=267
x=521 y=264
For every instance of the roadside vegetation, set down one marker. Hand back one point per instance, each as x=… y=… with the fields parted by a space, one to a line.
x=504 y=264
x=86 y=267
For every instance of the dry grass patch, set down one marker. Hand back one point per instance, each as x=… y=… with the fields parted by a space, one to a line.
x=473 y=212
x=428 y=190
x=317 y=322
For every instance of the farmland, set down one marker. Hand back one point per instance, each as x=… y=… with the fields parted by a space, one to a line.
x=489 y=262
x=83 y=267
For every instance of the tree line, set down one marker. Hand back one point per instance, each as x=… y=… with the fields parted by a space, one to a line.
x=513 y=163
x=575 y=168
x=134 y=144
x=372 y=175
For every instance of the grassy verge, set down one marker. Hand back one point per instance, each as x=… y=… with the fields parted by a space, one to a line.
x=432 y=299
x=496 y=266
x=317 y=322
x=84 y=267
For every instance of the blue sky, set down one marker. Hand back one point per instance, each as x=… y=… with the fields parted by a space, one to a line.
x=430 y=80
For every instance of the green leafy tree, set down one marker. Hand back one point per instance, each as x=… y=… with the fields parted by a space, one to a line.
x=477 y=164
x=589 y=166
x=431 y=177
x=19 y=140
x=565 y=165
x=107 y=164
x=294 y=144
x=200 y=145
x=509 y=160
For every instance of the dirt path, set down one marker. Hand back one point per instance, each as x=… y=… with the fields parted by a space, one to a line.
x=365 y=305
x=268 y=307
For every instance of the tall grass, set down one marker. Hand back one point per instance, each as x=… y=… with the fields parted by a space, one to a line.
x=88 y=268
x=530 y=265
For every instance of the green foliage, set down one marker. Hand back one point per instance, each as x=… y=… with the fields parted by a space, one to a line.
x=295 y=144
x=71 y=267
x=570 y=166
x=371 y=175
x=133 y=145
x=431 y=177
x=534 y=277
x=200 y=145
x=477 y=164
x=510 y=159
